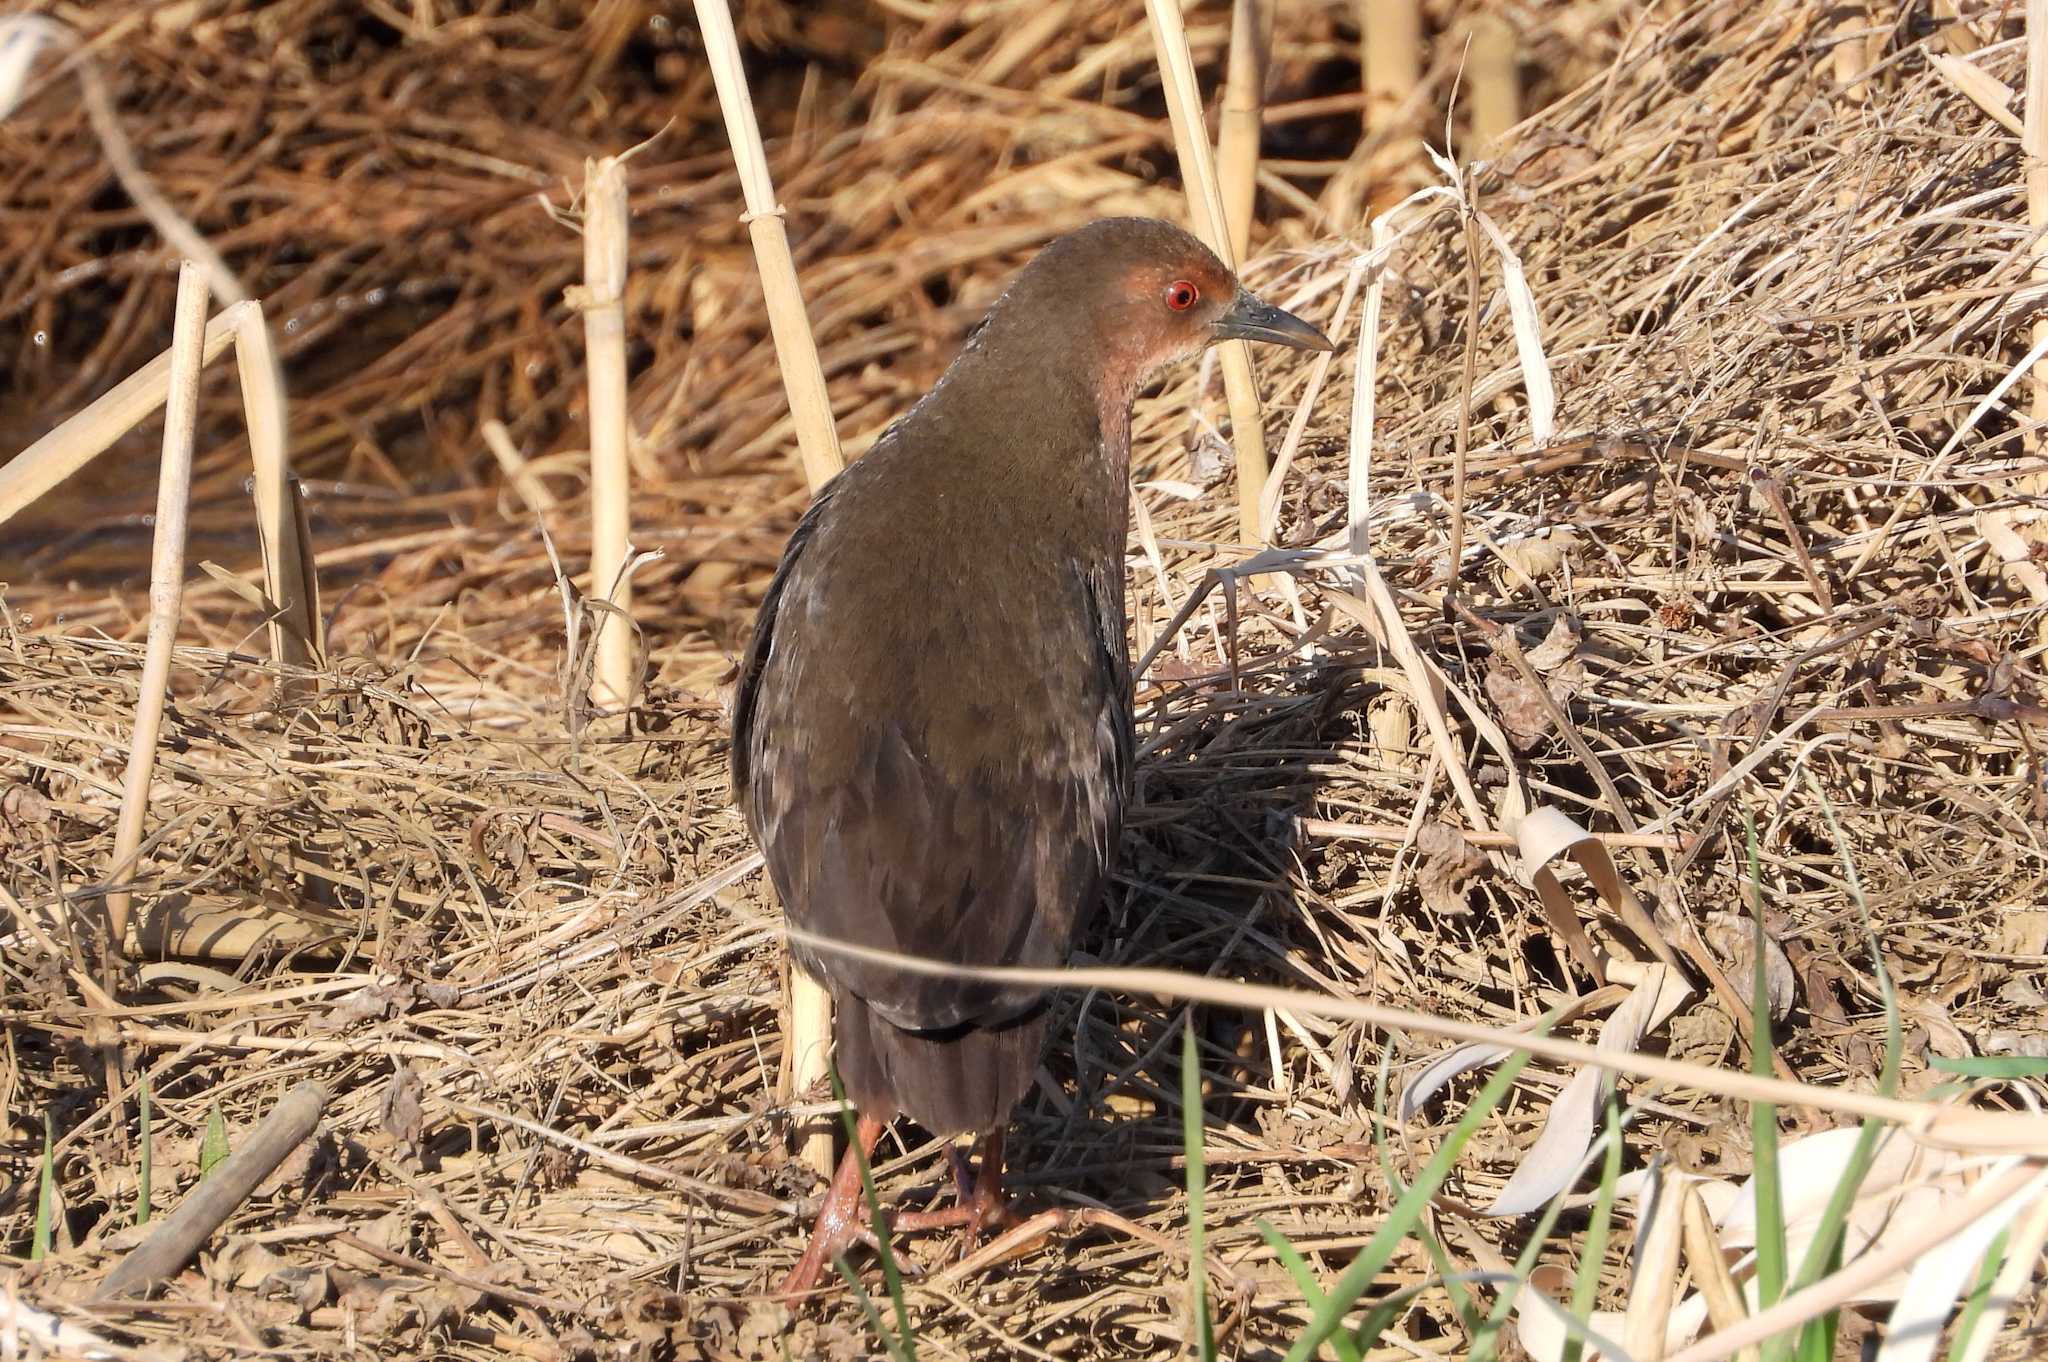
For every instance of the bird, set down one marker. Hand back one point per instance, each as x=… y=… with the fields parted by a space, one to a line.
x=933 y=722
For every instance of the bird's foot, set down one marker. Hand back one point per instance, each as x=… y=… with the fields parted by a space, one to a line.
x=842 y=1220
x=981 y=1204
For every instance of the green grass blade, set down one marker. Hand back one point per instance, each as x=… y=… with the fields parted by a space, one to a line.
x=1383 y=1313
x=1354 y=1280
x=1305 y=1279
x=1191 y=1145
x=1979 y=1297
x=213 y=1146
x=1824 y=1254
x=46 y=1199
x=867 y=1308
x=1586 y=1285
x=1991 y=1066
x=1763 y=1124
x=892 y=1275
x=1454 y=1287
x=143 y=1156
x=1486 y=1340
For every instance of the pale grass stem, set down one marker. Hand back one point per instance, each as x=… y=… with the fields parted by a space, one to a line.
x=796 y=352
x=518 y=471
x=295 y=640
x=91 y=432
x=1976 y=1130
x=1237 y=134
x=166 y=587
x=1205 y=210
x=808 y=1028
x=603 y=304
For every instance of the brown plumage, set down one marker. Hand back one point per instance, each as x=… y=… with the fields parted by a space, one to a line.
x=933 y=730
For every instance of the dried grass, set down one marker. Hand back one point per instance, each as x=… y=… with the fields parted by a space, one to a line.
x=1761 y=565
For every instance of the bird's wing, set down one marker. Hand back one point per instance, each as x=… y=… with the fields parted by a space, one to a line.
x=747 y=690
x=984 y=848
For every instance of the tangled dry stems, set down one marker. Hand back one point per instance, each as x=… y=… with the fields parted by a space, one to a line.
x=521 y=948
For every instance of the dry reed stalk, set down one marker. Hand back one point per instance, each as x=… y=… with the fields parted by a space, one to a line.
x=808 y=1030
x=1493 y=82
x=2034 y=143
x=796 y=353
x=602 y=301
x=525 y=482
x=1391 y=31
x=166 y=587
x=1205 y=209
x=1852 y=18
x=181 y=1235
x=295 y=641
x=91 y=432
x=1237 y=136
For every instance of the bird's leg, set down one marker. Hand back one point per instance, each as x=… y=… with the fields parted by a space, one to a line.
x=980 y=1202
x=841 y=1220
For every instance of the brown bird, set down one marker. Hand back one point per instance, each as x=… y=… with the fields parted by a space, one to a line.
x=933 y=729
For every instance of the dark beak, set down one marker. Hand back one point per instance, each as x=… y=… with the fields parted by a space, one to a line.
x=1250 y=319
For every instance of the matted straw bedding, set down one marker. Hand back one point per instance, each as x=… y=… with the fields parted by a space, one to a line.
x=529 y=957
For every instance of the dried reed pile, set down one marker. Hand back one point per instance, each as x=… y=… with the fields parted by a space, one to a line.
x=1778 y=566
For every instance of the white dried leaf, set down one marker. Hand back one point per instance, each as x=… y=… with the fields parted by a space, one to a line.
x=1528 y=323
x=1554 y=1160
x=22 y=39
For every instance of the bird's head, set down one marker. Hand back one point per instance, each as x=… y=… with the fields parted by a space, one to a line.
x=1132 y=295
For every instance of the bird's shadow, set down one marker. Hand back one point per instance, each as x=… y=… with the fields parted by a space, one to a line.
x=1230 y=760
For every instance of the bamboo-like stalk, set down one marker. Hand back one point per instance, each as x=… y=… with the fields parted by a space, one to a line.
x=1391 y=31
x=796 y=352
x=1492 y=81
x=91 y=432
x=807 y=1029
x=295 y=641
x=1851 y=19
x=1205 y=209
x=2034 y=143
x=603 y=304
x=166 y=585
x=1237 y=135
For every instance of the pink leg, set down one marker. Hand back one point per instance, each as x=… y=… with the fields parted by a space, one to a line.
x=979 y=1206
x=841 y=1221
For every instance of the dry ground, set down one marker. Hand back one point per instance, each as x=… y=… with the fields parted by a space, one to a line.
x=1776 y=566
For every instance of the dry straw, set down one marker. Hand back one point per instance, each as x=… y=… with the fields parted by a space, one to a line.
x=166 y=589
x=1206 y=212
x=1825 y=289
x=603 y=305
x=808 y=1029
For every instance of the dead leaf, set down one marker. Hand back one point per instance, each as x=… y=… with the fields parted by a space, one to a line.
x=1558 y=645
x=1733 y=938
x=399 y=1111
x=1522 y=711
x=2023 y=931
x=1448 y=865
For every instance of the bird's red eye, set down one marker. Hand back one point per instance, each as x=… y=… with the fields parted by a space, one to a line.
x=1181 y=295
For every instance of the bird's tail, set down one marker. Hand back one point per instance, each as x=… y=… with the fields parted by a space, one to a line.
x=965 y=1078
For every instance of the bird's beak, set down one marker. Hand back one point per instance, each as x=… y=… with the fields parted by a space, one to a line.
x=1250 y=319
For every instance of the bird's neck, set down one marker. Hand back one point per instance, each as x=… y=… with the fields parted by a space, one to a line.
x=1065 y=418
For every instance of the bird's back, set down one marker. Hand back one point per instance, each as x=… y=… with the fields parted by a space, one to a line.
x=932 y=745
